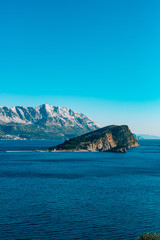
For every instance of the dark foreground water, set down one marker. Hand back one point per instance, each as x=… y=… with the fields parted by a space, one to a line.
x=79 y=195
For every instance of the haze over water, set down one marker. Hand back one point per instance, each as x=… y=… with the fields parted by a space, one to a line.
x=79 y=195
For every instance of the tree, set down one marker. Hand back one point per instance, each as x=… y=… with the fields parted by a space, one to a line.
x=149 y=236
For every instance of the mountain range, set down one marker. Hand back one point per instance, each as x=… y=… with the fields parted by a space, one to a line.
x=146 y=136
x=43 y=122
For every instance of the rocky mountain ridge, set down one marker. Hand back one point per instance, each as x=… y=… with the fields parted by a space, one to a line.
x=43 y=122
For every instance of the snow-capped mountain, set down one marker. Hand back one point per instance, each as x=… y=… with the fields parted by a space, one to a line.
x=43 y=122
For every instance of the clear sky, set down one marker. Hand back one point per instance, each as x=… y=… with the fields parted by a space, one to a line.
x=99 y=57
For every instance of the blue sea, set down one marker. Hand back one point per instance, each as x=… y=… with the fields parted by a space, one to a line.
x=65 y=196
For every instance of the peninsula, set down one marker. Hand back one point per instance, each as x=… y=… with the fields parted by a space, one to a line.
x=107 y=139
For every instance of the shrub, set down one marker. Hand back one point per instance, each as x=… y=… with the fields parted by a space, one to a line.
x=149 y=236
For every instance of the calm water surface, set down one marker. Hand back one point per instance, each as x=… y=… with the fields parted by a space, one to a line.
x=65 y=196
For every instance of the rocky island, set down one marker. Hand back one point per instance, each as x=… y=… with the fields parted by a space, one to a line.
x=107 y=139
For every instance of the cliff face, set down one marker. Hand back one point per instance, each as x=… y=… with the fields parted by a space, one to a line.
x=108 y=139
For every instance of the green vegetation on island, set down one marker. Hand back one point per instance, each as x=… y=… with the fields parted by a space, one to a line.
x=108 y=139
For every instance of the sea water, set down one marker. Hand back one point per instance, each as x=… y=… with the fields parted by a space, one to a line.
x=65 y=196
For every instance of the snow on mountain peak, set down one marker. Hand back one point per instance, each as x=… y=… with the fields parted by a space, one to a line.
x=46 y=115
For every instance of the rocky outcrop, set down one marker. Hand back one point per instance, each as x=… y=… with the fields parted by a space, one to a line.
x=108 y=139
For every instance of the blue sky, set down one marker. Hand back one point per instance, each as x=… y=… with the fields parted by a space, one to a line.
x=101 y=58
